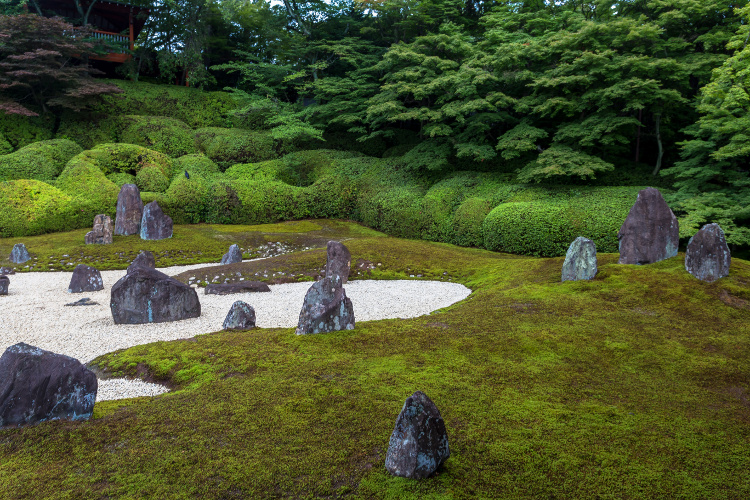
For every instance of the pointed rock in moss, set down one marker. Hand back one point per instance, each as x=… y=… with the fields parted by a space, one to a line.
x=650 y=232
x=241 y=316
x=232 y=256
x=707 y=256
x=155 y=224
x=580 y=260
x=419 y=442
x=338 y=263
x=129 y=211
x=19 y=254
x=326 y=309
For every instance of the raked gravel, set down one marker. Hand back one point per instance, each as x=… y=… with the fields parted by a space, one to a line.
x=34 y=312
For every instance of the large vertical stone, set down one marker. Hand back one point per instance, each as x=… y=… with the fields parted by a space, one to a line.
x=38 y=385
x=419 y=442
x=19 y=254
x=326 y=309
x=650 y=232
x=85 y=279
x=580 y=260
x=233 y=255
x=101 y=233
x=338 y=262
x=129 y=211
x=707 y=256
x=149 y=296
x=155 y=224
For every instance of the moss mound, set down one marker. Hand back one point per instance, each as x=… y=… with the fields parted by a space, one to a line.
x=228 y=147
x=42 y=161
x=166 y=135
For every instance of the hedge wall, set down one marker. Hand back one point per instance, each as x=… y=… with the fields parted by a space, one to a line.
x=228 y=147
x=42 y=161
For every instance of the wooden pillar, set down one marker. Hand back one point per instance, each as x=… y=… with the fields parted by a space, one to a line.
x=130 y=35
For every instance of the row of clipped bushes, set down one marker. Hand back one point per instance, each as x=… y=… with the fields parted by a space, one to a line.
x=465 y=208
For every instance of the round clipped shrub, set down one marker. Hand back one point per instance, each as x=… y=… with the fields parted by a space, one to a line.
x=151 y=178
x=148 y=197
x=396 y=211
x=262 y=171
x=196 y=163
x=467 y=222
x=91 y=191
x=185 y=201
x=128 y=158
x=121 y=178
x=269 y=201
x=330 y=197
x=166 y=135
x=225 y=206
x=43 y=160
x=33 y=207
x=306 y=167
x=228 y=147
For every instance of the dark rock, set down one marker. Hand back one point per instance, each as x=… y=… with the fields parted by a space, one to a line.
x=155 y=224
x=4 y=284
x=144 y=259
x=419 y=443
x=149 y=296
x=85 y=279
x=241 y=316
x=7 y=270
x=83 y=302
x=650 y=232
x=101 y=234
x=38 y=385
x=580 y=260
x=233 y=256
x=19 y=254
x=707 y=256
x=238 y=287
x=326 y=309
x=338 y=263
x=129 y=211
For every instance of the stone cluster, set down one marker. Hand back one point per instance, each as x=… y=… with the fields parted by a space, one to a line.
x=101 y=233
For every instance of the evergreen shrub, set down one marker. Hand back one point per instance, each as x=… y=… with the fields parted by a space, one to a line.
x=121 y=178
x=166 y=135
x=90 y=190
x=19 y=131
x=186 y=200
x=33 y=207
x=228 y=147
x=150 y=178
x=467 y=222
x=271 y=170
x=5 y=146
x=308 y=166
x=43 y=160
x=89 y=129
x=128 y=158
x=270 y=201
x=196 y=163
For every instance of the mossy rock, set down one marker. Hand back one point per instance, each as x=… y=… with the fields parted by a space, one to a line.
x=151 y=178
x=19 y=131
x=34 y=207
x=43 y=160
x=196 y=163
x=166 y=135
x=229 y=147
x=128 y=158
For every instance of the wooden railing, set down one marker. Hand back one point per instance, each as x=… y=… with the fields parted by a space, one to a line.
x=118 y=56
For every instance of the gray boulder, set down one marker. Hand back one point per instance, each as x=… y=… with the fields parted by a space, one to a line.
x=233 y=256
x=419 y=442
x=7 y=270
x=85 y=279
x=19 y=254
x=650 y=232
x=129 y=210
x=149 y=296
x=238 y=287
x=707 y=256
x=155 y=224
x=101 y=234
x=4 y=284
x=144 y=259
x=338 y=262
x=580 y=260
x=241 y=316
x=38 y=385
x=326 y=308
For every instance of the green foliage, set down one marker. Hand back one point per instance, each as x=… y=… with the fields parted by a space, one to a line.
x=34 y=207
x=20 y=131
x=468 y=222
x=308 y=166
x=196 y=163
x=344 y=141
x=128 y=158
x=228 y=147
x=5 y=146
x=396 y=211
x=42 y=161
x=90 y=129
x=121 y=178
x=92 y=193
x=186 y=200
x=561 y=162
x=271 y=170
x=166 y=135
x=151 y=178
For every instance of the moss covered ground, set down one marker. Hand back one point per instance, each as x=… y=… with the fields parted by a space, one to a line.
x=633 y=385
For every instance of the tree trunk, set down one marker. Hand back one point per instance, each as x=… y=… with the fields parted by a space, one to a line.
x=295 y=15
x=657 y=167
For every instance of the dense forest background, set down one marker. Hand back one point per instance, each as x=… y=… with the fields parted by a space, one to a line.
x=550 y=92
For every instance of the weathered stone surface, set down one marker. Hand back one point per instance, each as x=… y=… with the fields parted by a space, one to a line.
x=580 y=260
x=650 y=232
x=38 y=385
x=419 y=442
x=707 y=256
x=238 y=287
x=101 y=234
x=129 y=210
x=19 y=254
x=149 y=296
x=233 y=256
x=241 y=316
x=4 y=284
x=144 y=259
x=83 y=302
x=326 y=309
x=338 y=263
x=155 y=224
x=85 y=279
x=7 y=270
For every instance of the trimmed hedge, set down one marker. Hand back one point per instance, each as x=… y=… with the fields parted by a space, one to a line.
x=166 y=135
x=34 y=207
x=306 y=167
x=150 y=178
x=196 y=163
x=42 y=161
x=5 y=146
x=229 y=147
x=467 y=227
x=128 y=158
x=271 y=170
x=121 y=178
x=89 y=129
x=92 y=193
x=20 y=131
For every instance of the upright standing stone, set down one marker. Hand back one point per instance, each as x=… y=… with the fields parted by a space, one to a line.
x=326 y=309
x=101 y=234
x=339 y=262
x=144 y=259
x=19 y=254
x=85 y=279
x=129 y=211
x=241 y=316
x=419 y=442
x=580 y=260
x=4 y=284
x=38 y=385
x=155 y=224
x=650 y=232
x=233 y=256
x=707 y=256
x=149 y=296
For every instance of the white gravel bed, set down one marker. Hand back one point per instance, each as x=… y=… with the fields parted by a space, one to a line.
x=34 y=312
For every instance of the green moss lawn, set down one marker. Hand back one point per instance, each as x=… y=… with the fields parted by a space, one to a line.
x=633 y=385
